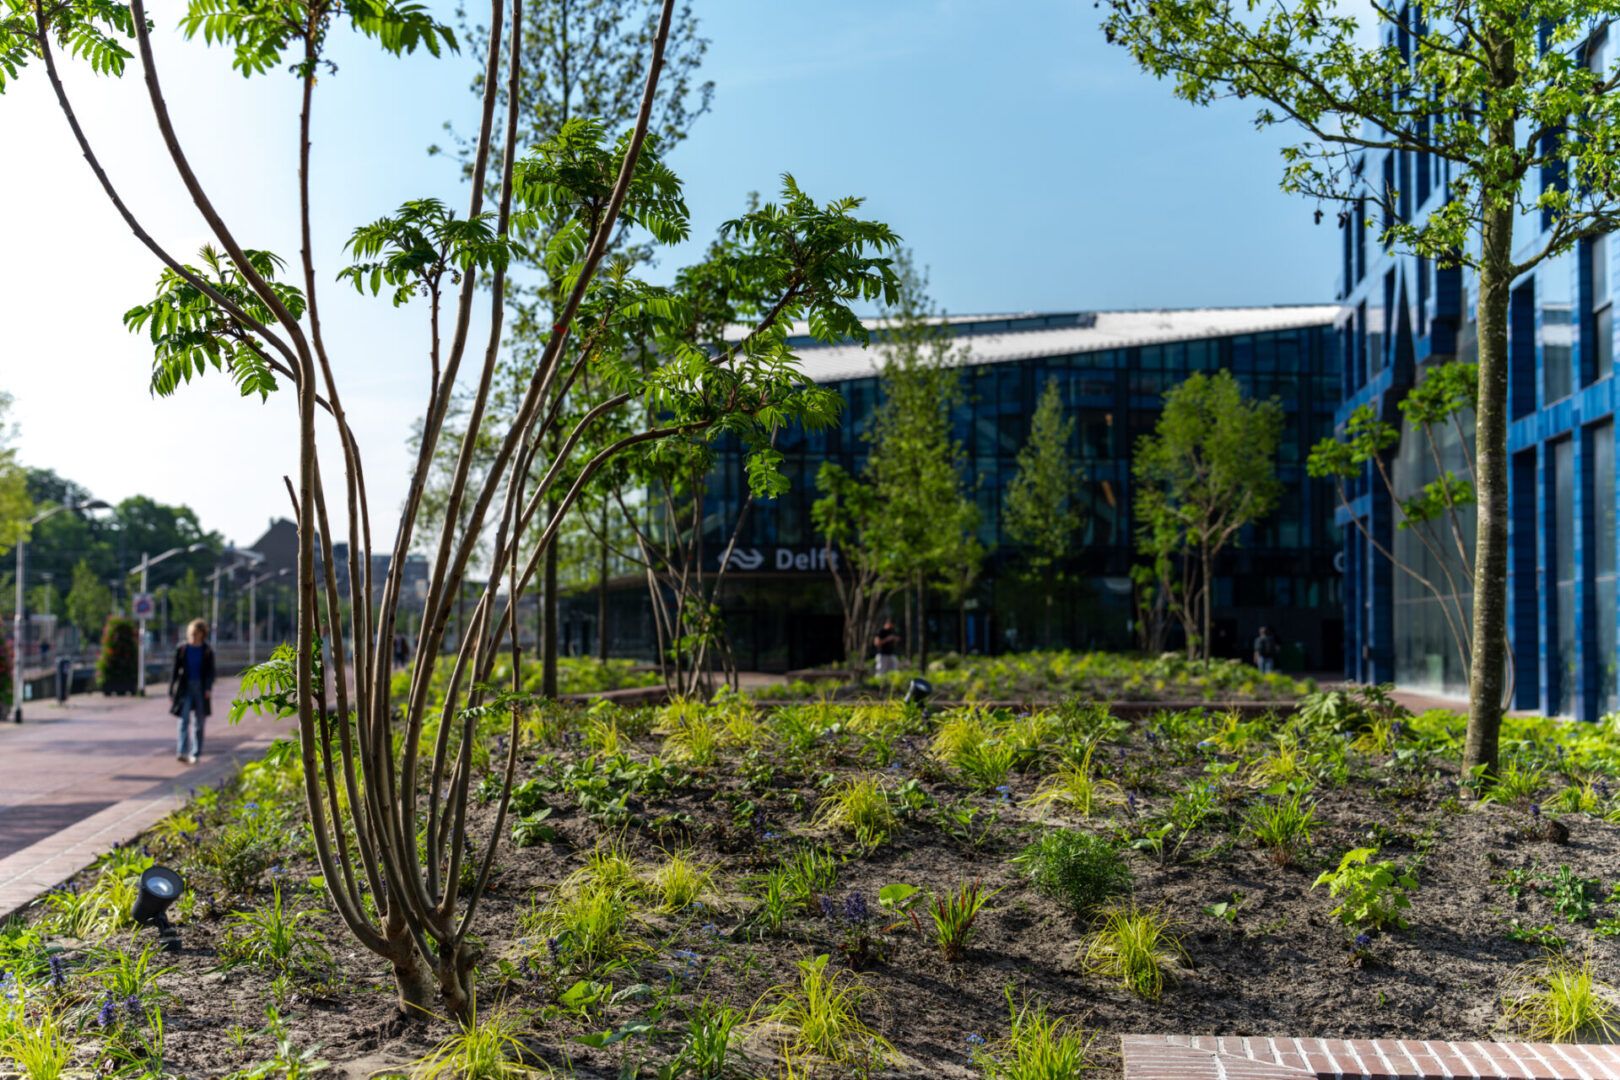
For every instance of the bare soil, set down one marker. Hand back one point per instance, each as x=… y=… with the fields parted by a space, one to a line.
x=1282 y=967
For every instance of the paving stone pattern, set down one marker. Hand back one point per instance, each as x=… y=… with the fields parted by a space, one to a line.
x=1231 y=1057
x=75 y=780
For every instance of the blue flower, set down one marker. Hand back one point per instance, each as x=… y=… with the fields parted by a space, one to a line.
x=58 y=971
x=828 y=908
x=1005 y=791
x=108 y=1016
x=855 y=909
x=1363 y=940
x=975 y=1040
x=1535 y=809
x=132 y=1008
x=1130 y=801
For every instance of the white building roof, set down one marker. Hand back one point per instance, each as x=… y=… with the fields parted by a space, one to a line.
x=1108 y=330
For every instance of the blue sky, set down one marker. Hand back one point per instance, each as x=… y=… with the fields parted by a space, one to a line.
x=1026 y=162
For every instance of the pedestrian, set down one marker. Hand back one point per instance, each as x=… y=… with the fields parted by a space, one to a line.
x=1265 y=651
x=191 y=684
x=887 y=644
x=399 y=649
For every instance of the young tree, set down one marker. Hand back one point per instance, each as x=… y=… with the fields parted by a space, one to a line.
x=915 y=464
x=1039 y=509
x=15 y=505
x=389 y=816
x=581 y=58
x=1505 y=95
x=89 y=601
x=1434 y=513
x=1208 y=469
x=847 y=516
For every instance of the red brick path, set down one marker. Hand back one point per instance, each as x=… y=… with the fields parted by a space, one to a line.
x=79 y=778
x=1230 y=1057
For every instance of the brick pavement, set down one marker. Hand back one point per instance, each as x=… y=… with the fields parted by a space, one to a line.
x=1230 y=1057
x=77 y=779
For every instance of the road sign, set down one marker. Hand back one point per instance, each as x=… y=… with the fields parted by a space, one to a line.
x=143 y=606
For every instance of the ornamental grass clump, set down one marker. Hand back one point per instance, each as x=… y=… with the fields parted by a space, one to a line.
x=276 y=939
x=486 y=1048
x=679 y=881
x=1076 y=786
x=1563 y=1002
x=1080 y=870
x=820 y=1017
x=1283 y=827
x=1134 y=948
x=1037 y=1047
x=861 y=806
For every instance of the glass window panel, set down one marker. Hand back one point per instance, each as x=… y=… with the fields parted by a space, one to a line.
x=1564 y=570
x=1603 y=561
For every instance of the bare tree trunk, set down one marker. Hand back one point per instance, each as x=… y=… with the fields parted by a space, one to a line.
x=548 y=636
x=922 y=625
x=1490 y=448
x=601 y=593
x=1208 y=587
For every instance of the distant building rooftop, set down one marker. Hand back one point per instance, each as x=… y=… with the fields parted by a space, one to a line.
x=995 y=339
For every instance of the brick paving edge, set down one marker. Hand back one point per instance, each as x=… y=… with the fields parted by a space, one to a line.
x=45 y=864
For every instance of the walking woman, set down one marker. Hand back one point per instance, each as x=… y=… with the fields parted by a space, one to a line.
x=190 y=685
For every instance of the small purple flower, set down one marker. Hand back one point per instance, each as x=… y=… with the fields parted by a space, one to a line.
x=1535 y=810
x=828 y=908
x=855 y=909
x=108 y=1016
x=1130 y=802
x=1603 y=789
x=1363 y=940
x=552 y=949
x=132 y=1008
x=58 y=971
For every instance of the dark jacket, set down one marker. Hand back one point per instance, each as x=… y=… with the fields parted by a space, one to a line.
x=180 y=678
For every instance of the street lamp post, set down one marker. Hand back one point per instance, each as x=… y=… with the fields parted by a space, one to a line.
x=241 y=558
x=18 y=621
x=253 y=624
x=147 y=563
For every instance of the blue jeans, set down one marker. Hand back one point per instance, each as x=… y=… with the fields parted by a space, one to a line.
x=1266 y=664
x=191 y=721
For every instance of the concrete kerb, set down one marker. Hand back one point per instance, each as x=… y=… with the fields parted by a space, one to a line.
x=35 y=870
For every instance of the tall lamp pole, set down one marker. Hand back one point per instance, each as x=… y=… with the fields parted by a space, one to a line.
x=17 y=620
x=241 y=558
x=253 y=611
x=147 y=562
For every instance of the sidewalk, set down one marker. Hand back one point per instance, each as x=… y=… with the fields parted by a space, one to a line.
x=77 y=779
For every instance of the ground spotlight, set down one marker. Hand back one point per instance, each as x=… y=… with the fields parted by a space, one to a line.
x=917 y=691
x=159 y=887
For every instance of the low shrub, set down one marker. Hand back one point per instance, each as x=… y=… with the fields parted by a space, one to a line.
x=860 y=806
x=1282 y=827
x=1080 y=870
x=1372 y=894
x=954 y=915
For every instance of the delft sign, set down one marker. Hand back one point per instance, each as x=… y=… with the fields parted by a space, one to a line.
x=782 y=559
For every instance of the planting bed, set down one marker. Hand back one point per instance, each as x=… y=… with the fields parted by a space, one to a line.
x=1161 y=822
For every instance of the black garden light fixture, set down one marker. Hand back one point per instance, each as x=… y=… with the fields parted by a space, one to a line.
x=917 y=691
x=159 y=887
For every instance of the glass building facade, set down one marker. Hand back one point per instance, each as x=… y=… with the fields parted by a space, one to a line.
x=1402 y=315
x=1111 y=369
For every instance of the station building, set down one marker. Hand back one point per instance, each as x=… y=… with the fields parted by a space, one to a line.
x=1400 y=317
x=1113 y=368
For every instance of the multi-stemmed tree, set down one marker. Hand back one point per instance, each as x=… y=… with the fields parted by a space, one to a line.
x=1208 y=470
x=391 y=825
x=1506 y=96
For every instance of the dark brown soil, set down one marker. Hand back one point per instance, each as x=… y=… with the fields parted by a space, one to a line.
x=1283 y=967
